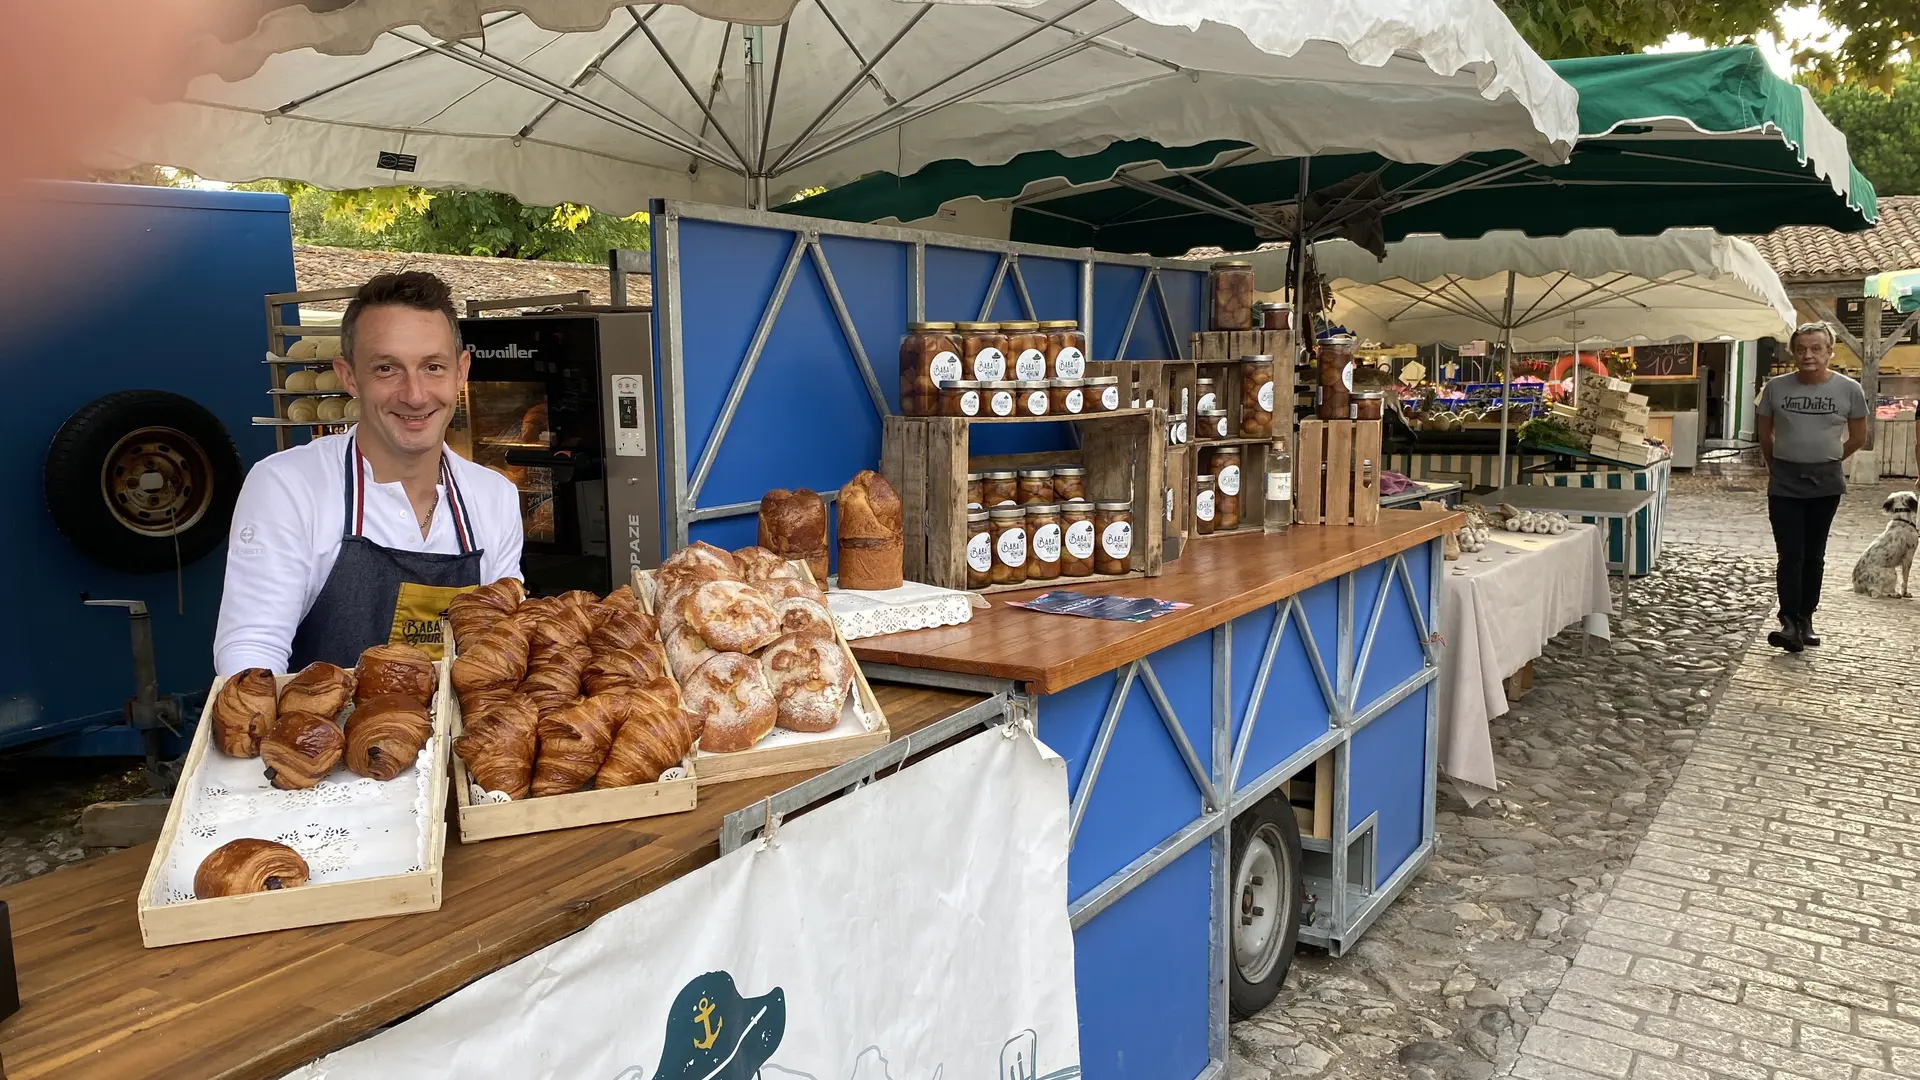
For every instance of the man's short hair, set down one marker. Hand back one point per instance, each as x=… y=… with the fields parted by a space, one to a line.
x=1811 y=328
x=415 y=289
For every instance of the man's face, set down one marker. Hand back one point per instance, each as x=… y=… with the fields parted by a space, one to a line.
x=406 y=375
x=1812 y=352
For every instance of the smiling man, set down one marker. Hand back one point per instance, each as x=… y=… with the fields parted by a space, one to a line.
x=361 y=539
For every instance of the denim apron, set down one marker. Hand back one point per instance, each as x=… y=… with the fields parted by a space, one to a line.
x=378 y=595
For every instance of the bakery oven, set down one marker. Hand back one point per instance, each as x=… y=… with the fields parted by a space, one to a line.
x=562 y=405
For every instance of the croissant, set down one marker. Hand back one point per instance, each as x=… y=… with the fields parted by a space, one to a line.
x=559 y=672
x=548 y=701
x=622 y=630
x=564 y=628
x=301 y=751
x=622 y=669
x=573 y=745
x=494 y=660
x=499 y=747
x=385 y=735
x=651 y=740
x=394 y=669
x=320 y=689
x=621 y=600
x=248 y=865
x=244 y=712
x=579 y=598
x=475 y=611
x=480 y=702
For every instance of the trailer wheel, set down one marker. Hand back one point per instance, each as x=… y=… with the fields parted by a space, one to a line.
x=1265 y=905
x=141 y=478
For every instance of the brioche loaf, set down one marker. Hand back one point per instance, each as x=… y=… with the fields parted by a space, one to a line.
x=871 y=531
x=793 y=525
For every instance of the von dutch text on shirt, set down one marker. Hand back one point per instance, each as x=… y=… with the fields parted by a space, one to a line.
x=1811 y=404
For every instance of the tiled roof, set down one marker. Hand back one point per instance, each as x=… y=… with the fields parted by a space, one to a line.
x=472 y=277
x=1805 y=251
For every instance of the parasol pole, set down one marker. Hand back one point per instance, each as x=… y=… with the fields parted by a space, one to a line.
x=1506 y=377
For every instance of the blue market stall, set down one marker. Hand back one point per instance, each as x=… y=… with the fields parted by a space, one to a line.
x=1255 y=768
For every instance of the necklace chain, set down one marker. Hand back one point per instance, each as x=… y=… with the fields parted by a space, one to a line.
x=426 y=522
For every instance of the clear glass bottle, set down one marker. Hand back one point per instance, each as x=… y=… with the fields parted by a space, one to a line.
x=1279 y=509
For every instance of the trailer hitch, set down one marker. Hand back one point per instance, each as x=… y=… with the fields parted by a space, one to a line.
x=148 y=711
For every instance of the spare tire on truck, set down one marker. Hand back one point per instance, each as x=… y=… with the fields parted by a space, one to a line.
x=141 y=479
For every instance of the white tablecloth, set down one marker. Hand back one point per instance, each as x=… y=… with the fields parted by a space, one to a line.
x=1502 y=605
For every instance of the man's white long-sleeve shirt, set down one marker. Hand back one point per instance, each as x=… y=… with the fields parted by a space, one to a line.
x=286 y=534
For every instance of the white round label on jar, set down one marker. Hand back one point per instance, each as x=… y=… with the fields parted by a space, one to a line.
x=1075 y=400
x=1070 y=364
x=1166 y=500
x=1117 y=540
x=1180 y=431
x=1203 y=506
x=969 y=403
x=1031 y=365
x=1046 y=543
x=945 y=367
x=980 y=553
x=1220 y=426
x=1279 y=486
x=1002 y=403
x=1037 y=403
x=1266 y=397
x=1110 y=398
x=989 y=365
x=1206 y=402
x=1229 y=480
x=1080 y=539
x=1346 y=376
x=1013 y=547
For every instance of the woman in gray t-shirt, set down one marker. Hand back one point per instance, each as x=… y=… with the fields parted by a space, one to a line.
x=1809 y=422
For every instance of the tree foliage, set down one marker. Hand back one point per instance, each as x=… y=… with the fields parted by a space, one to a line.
x=1882 y=129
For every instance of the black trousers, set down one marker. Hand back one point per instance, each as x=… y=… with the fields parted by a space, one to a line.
x=1800 y=528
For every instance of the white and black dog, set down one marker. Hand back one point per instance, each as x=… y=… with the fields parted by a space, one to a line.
x=1884 y=567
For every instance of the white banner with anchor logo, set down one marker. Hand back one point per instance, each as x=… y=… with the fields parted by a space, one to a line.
x=914 y=930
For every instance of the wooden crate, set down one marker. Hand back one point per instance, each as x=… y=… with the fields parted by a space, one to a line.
x=1336 y=468
x=787 y=751
x=1234 y=344
x=1518 y=684
x=307 y=905
x=1310 y=793
x=1156 y=384
x=491 y=820
x=925 y=459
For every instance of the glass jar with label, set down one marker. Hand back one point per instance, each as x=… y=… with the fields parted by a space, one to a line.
x=983 y=351
x=1336 y=376
x=1002 y=488
x=1268 y=315
x=1256 y=397
x=1206 y=398
x=1369 y=404
x=960 y=397
x=998 y=398
x=1069 y=483
x=1026 y=350
x=1113 y=532
x=1212 y=425
x=1066 y=349
x=1066 y=397
x=1076 y=524
x=1043 y=542
x=1224 y=463
x=1035 y=487
x=976 y=491
x=979 y=550
x=1103 y=393
x=1232 y=295
x=929 y=355
x=1009 y=545
x=1030 y=397
x=1204 y=510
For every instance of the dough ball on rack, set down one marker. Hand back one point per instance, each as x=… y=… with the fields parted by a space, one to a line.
x=302 y=380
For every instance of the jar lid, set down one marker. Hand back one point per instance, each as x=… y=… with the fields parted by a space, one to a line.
x=1262 y=358
x=1008 y=512
x=1370 y=395
x=1103 y=380
x=972 y=476
x=1212 y=412
x=1076 y=506
x=976 y=515
x=1273 y=305
x=1041 y=508
x=1032 y=384
x=1060 y=324
x=1113 y=506
x=1340 y=339
x=976 y=327
x=1001 y=384
x=1019 y=324
x=919 y=326
x=1069 y=470
x=1207 y=476
x=960 y=384
x=1208 y=379
x=1232 y=264
x=998 y=474
x=1034 y=473
x=1066 y=384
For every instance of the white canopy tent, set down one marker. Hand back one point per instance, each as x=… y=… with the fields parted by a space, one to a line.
x=610 y=105
x=1588 y=287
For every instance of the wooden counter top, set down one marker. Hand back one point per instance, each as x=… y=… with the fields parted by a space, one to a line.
x=97 y=1005
x=1222 y=577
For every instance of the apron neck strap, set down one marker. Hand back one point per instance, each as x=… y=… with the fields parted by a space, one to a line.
x=356 y=496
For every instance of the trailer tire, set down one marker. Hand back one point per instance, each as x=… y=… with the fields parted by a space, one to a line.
x=140 y=479
x=1265 y=904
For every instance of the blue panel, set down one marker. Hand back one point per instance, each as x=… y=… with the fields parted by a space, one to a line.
x=1114 y=288
x=1184 y=292
x=1018 y=438
x=1140 y=977
x=1396 y=655
x=1420 y=568
x=1185 y=671
x=1322 y=606
x=189 y=270
x=1054 y=285
x=1388 y=771
x=1293 y=712
x=957 y=282
x=872 y=275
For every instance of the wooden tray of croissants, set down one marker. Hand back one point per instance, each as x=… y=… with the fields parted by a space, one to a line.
x=567 y=714
x=760 y=663
x=272 y=761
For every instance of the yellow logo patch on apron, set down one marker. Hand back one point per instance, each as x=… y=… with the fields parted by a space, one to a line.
x=417 y=614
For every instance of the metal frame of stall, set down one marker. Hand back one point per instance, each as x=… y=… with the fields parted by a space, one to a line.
x=1151 y=815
